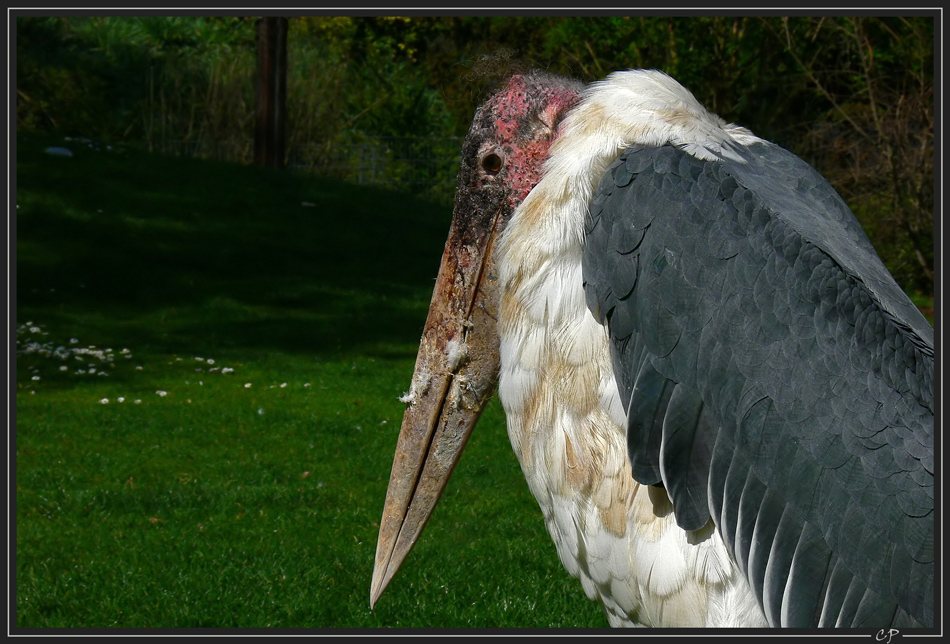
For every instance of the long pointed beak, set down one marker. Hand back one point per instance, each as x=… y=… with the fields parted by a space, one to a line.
x=455 y=376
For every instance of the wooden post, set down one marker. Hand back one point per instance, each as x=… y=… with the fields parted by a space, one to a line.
x=270 y=92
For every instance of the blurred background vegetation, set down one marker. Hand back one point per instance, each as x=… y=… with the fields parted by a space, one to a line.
x=851 y=95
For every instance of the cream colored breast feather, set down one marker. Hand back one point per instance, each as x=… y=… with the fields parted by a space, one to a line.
x=565 y=419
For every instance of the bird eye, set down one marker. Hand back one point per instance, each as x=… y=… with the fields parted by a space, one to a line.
x=491 y=163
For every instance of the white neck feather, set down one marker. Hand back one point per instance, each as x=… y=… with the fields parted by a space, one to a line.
x=644 y=107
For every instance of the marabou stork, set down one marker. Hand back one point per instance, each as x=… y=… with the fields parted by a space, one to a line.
x=659 y=293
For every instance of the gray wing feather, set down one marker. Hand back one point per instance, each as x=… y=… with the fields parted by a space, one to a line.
x=775 y=377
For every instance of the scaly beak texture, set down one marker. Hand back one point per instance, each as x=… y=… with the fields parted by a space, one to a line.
x=456 y=374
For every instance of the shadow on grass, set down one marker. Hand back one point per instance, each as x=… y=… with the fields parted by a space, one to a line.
x=190 y=255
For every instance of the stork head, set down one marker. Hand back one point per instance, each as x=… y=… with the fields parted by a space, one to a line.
x=457 y=365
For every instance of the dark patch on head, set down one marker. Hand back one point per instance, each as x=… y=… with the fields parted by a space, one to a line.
x=490 y=72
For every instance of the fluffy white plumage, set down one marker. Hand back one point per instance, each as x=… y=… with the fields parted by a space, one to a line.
x=565 y=418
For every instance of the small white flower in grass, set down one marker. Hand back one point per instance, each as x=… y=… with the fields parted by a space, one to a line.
x=227 y=370
x=283 y=384
x=64 y=368
x=92 y=370
x=306 y=384
x=138 y=368
x=162 y=393
x=260 y=411
x=124 y=351
x=138 y=401
x=34 y=329
x=73 y=341
x=104 y=401
x=36 y=377
x=199 y=359
x=247 y=385
x=120 y=399
x=210 y=361
x=201 y=383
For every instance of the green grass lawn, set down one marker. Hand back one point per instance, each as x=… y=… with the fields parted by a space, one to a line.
x=208 y=364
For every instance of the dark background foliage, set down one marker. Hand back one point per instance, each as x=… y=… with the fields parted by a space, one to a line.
x=851 y=95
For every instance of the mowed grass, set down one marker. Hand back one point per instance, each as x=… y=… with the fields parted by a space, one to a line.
x=209 y=361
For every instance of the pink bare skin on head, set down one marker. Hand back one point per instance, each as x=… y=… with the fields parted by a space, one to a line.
x=525 y=116
x=518 y=124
